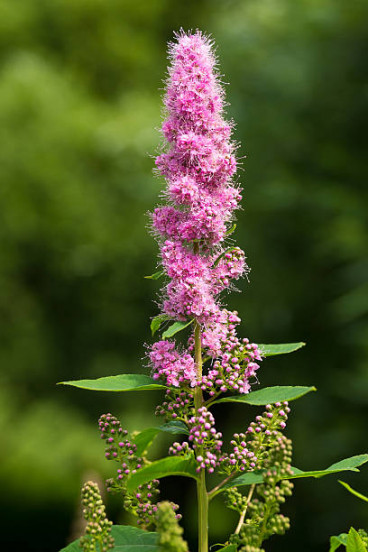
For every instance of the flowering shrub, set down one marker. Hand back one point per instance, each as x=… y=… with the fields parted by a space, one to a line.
x=212 y=365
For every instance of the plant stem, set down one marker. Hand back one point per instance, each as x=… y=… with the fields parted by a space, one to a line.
x=213 y=492
x=201 y=482
x=243 y=514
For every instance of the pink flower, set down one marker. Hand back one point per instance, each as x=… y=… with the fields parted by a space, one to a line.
x=198 y=164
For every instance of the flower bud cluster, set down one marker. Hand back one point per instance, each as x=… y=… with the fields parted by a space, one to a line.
x=364 y=536
x=122 y=449
x=251 y=449
x=203 y=439
x=178 y=405
x=169 y=531
x=230 y=265
x=98 y=529
x=263 y=517
x=234 y=369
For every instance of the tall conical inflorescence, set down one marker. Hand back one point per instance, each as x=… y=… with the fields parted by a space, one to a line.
x=199 y=164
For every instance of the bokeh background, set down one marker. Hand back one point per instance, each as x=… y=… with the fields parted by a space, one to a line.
x=80 y=100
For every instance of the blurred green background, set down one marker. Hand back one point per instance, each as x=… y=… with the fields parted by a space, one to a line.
x=80 y=105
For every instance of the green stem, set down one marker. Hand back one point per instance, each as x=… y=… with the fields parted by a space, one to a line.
x=244 y=512
x=213 y=492
x=201 y=482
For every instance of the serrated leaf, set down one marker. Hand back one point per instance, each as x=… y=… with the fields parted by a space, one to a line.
x=353 y=491
x=354 y=542
x=337 y=541
x=145 y=438
x=171 y=465
x=122 y=382
x=127 y=539
x=269 y=395
x=279 y=348
x=175 y=328
x=155 y=275
x=157 y=321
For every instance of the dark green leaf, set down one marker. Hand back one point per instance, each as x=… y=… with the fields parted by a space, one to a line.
x=156 y=275
x=127 y=539
x=279 y=348
x=354 y=542
x=353 y=491
x=337 y=541
x=269 y=395
x=171 y=465
x=175 y=328
x=145 y=438
x=157 y=321
x=174 y=427
x=123 y=382
x=228 y=548
x=248 y=478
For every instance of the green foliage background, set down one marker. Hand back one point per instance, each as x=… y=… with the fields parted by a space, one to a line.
x=80 y=104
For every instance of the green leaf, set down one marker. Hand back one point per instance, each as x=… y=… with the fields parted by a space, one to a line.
x=157 y=321
x=351 y=463
x=348 y=464
x=123 y=382
x=175 y=328
x=231 y=230
x=127 y=539
x=228 y=250
x=171 y=465
x=337 y=541
x=279 y=348
x=176 y=427
x=255 y=477
x=145 y=438
x=269 y=395
x=354 y=542
x=156 y=275
x=248 y=478
x=353 y=491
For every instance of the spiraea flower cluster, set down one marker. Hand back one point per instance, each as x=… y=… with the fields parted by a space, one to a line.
x=178 y=405
x=263 y=517
x=198 y=163
x=170 y=533
x=236 y=359
x=204 y=439
x=98 y=529
x=172 y=366
x=252 y=448
x=121 y=448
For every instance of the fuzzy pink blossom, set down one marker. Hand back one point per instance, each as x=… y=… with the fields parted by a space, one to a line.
x=198 y=163
x=172 y=366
